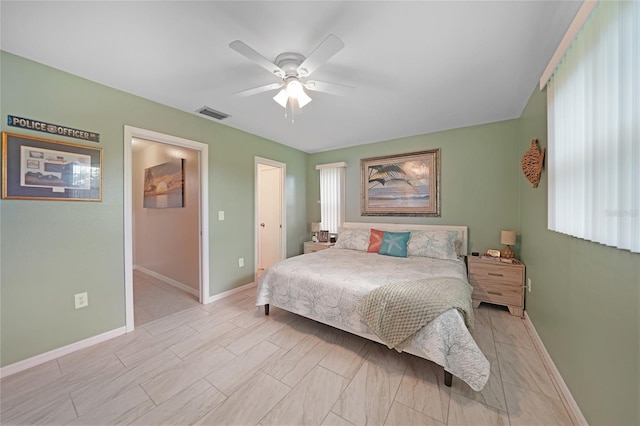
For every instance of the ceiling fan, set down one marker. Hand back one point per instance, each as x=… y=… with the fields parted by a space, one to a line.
x=293 y=69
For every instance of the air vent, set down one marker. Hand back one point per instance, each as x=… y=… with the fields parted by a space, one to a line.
x=213 y=113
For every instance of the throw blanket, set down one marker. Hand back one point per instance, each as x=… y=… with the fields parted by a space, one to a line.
x=396 y=311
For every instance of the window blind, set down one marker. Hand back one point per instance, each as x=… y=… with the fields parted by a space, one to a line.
x=332 y=196
x=593 y=107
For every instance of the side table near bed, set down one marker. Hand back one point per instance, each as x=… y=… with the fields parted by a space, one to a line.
x=310 y=246
x=497 y=281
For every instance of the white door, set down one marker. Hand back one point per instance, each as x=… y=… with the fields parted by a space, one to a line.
x=269 y=216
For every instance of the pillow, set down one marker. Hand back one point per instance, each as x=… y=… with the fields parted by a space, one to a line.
x=395 y=244
x=353 y=239
x=435 y=244
x=375 y=241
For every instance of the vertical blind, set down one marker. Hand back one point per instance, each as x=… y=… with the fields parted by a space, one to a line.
x=593 y=107
x=331 y=196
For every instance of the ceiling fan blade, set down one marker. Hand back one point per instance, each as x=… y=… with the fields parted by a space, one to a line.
x=256 y=90
x=254 y=56
x=329 y=47
x=332 y=88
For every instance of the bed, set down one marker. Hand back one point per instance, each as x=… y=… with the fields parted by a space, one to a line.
x=329 y=286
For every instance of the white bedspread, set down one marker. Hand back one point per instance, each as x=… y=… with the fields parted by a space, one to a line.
x=326 y=286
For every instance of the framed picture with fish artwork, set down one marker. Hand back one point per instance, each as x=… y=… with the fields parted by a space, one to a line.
x=401 y=185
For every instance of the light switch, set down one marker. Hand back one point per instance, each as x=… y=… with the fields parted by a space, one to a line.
x=221 y=215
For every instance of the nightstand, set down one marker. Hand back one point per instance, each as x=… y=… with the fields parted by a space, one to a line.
x=310 y=246
x=498 y=282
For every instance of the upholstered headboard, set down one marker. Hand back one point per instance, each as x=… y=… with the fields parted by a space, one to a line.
x=461 y=230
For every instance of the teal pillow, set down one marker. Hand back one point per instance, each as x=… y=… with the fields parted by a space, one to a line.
x=395 y=244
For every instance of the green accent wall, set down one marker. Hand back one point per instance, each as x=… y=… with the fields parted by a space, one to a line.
x=478 y=184
x=51 y=250
x=585 y=300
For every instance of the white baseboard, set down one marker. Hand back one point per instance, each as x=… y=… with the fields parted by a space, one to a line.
x=565 y=394
x=66 y=350
x=57 y=353
x=167 y=280
x=228 y=293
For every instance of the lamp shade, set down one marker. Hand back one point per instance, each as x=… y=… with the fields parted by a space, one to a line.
x=282 y=97
x=315 y=226
x=508 y=238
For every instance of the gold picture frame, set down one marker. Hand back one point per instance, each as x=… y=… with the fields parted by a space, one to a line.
x=401 y=185
x=43 y=169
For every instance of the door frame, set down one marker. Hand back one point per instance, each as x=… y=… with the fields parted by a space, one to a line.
x=131 y=132
x=258 y=161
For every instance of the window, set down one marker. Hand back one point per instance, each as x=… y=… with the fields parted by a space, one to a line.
x=593 y=101
x=331 y=196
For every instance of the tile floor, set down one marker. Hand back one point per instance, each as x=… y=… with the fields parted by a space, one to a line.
x=155 y=299
x=227 y=364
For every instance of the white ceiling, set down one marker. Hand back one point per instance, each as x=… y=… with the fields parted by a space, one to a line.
x=417 y=67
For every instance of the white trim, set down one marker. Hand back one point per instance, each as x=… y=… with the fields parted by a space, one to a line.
x=229 y=292
x=257 y=161
x=59 y=352
x=565 y=394
x=460 y=229
x=90 y=341
x=331 y=165
x=128 y=230
x=167 y=280
x=576 y=25
x=131 y=132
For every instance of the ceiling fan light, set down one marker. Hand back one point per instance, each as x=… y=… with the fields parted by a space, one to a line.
x=303 y=99
x=294 y=88
x=282 y=97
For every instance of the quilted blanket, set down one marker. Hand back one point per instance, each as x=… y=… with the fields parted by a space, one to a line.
x=397 y=311
x=327 y=285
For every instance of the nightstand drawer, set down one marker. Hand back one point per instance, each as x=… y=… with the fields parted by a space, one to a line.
x=311 y=247
x=491 y=274
x=497 y=293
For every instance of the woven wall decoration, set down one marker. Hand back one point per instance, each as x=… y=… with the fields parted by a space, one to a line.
x=532 y=162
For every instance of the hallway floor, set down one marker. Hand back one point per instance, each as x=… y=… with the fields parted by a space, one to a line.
x=153 y=299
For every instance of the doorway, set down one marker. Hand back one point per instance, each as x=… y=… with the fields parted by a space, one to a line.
x=270 y=213
x=199 y=152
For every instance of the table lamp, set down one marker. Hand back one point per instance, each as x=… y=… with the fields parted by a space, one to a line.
x=315 y=228
x=508 y=238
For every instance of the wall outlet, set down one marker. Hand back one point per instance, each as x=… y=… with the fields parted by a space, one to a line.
x=241 y=262
x=529 y=284
x=82 y=300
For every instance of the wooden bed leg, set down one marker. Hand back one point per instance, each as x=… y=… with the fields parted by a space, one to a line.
x=448 y=378
x=266 y=309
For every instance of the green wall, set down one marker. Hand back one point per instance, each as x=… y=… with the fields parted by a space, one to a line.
x=585 y=300
x=478 y=185
x=53 y=249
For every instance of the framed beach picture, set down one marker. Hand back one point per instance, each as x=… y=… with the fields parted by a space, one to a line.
x=164 y=185
x=42 y=169
x=401 y=185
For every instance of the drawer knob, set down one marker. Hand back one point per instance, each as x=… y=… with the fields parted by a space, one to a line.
x=494 y=274
x=497 y=293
